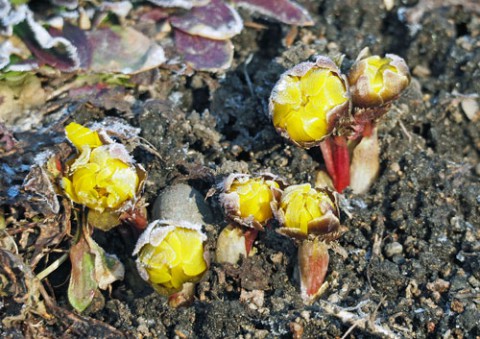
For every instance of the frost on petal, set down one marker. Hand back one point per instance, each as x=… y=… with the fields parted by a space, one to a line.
x=204 y=54
x=282 y=10
x=123 y=50
x=187 y=4
x=216 y=20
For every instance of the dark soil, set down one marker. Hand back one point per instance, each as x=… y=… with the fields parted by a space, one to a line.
x=426 y=198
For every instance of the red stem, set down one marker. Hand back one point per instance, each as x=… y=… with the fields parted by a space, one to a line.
x=337 y=160
x=326 y=148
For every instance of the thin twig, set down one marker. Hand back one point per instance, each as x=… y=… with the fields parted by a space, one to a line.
x=52 y=267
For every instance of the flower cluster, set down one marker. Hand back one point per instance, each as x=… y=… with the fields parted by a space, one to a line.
x=308 y=215
x=315 y=104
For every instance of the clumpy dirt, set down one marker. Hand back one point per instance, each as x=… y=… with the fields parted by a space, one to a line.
x=412 y=242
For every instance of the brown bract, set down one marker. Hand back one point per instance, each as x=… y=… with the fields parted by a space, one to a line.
x=337 y=117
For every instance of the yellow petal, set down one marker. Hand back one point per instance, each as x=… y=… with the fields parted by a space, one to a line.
x=295 y=128
x=178 y=277
x=196 y=265
x=100 y=156
x=313 y=81
x=68 y=188
x=164 y=255
x=159 y=275
x=82 y=136
x=289 y=91
x=174 y=240
x=281 y=114
x=313 y=207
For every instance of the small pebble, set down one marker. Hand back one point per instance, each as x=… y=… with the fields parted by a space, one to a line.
x=182 y=202
x=393 y=248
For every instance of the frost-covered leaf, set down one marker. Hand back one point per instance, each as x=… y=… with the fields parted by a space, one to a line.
x=107 y=50
x=204 y=54
x=123 y=50
x=187 y=4
x=282 y=10
x=216 y=20
x=53 y=49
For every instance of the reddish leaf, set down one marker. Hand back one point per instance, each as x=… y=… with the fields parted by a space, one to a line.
x=83 y=285
x=282 y=10
x=216 y=20
x=204 y=54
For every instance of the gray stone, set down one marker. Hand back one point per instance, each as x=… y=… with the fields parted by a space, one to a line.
x=182 y=202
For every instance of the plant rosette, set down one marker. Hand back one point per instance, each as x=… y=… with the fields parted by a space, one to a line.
x=171 y=257
x=103 y=177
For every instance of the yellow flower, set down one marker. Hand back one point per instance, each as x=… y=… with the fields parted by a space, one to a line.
x=171 y=254
x=102 y=177
x=307 y=100
x=375 y=81
x=249 y=201
x=308 y=211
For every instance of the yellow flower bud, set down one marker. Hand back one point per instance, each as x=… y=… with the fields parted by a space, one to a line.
x=250 y=201
x=102 y=176
x=305 y=211
x=171 y=254
x=376 y=81
x=308 y=100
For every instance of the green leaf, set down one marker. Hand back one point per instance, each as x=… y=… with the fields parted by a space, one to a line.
x=83 y=284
